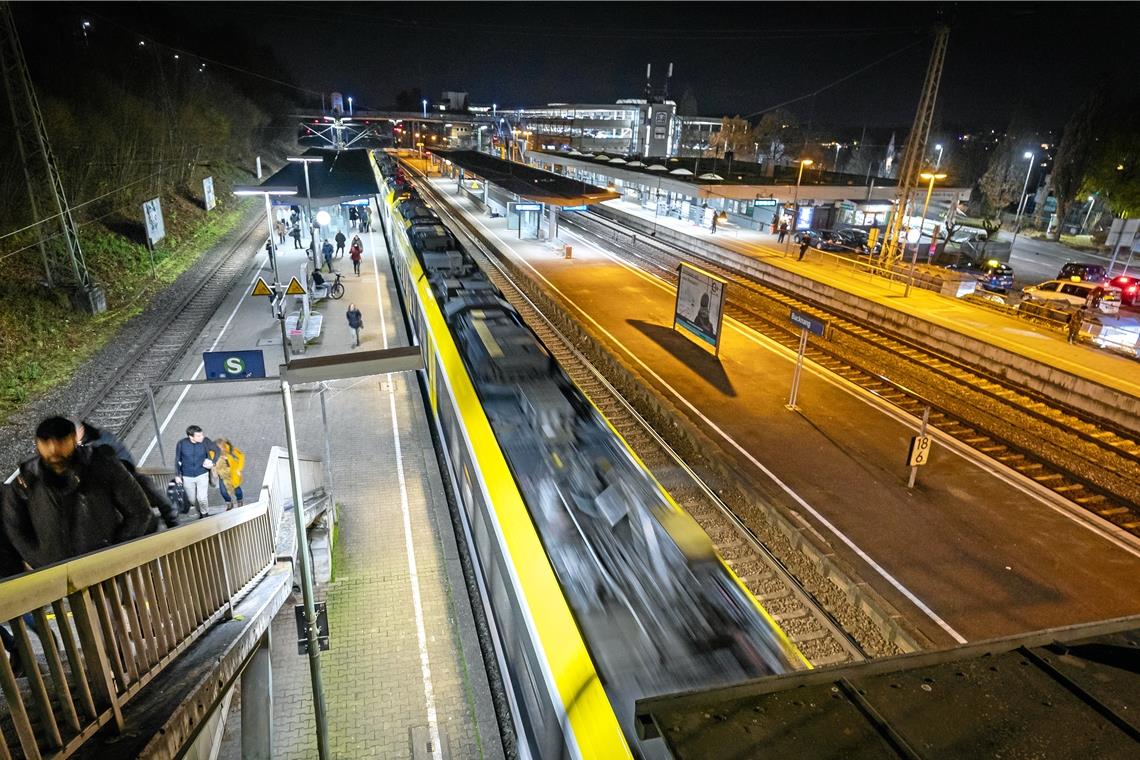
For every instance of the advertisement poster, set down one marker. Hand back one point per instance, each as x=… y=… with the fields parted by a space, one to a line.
x=152 y=218
x=208 y=193
x=700 y=303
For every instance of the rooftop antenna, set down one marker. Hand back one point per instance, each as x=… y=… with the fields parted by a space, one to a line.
x=648 y=83
x=667 y=78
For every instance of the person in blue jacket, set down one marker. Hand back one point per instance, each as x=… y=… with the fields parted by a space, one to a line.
x=194 y=458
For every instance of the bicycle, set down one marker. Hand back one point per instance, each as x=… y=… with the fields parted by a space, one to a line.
x=336 y=288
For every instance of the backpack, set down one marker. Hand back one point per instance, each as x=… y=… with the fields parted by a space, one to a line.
x=176 y=492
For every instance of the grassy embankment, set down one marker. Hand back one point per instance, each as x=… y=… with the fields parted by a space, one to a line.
x=43 y=341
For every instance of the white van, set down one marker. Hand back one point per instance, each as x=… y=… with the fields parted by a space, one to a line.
x=1104 y=298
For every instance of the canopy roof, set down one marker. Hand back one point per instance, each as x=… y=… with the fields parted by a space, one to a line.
x=527 y=181
x=340 y=176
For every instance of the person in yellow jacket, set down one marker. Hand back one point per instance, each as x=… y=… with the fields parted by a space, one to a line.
x=228 y=469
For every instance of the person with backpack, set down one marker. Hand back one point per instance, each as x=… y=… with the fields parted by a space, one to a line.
x=295 y=233
x=355 y=253
x=355 y=323
x=327 y=253
x=229 y=470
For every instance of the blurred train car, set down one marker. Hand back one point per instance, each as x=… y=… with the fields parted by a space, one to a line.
x=601 y=590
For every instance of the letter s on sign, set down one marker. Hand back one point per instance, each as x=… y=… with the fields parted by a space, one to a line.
x=234 y=365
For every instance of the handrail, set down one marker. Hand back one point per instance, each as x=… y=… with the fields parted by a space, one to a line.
x=108 y=622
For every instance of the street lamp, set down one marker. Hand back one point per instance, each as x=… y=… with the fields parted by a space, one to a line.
x=938 y=160
x=424 y=101
x=930 y=177
x=267 y=192
x=1029 y=156
x=1092 y=202
x=305 y=161
x=795 y=201
x=350 y=105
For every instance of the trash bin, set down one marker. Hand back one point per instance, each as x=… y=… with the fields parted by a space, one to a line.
x=568 y=251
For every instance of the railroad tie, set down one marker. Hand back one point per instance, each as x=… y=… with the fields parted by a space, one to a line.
x=1069 y=487
x=1112 y=511
x=1050 y=476
x=1095 y=498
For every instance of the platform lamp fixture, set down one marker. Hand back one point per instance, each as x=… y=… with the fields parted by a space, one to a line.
x=267 y=193
x=1029 y=156
x=938 y=158
x=350 y=105
x=305 y=161
x=424 y=101
x=931 y=178
x=795 y=203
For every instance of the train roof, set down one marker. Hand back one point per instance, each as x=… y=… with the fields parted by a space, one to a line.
x=1071 y=692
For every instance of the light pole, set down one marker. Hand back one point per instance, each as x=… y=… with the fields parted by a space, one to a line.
x=938 y=159
x=1092 y=202
x=795 y=200
x=424 y=101
x=1029 y=156
x=350 y=105
x=305 y=161
x=245 y=190
x=930 y=177
x=836 y=167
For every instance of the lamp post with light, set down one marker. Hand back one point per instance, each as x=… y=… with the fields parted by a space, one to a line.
x=1029 y=156
x=795 y=201
x=305 y=161
x=938 y=159
x=930 y=177
x=267 y=192
x=1092 y=202
x=350 y=105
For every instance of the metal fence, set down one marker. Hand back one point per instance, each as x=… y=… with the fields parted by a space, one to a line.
x=93 y=631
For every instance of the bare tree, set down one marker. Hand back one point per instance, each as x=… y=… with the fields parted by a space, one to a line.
x=1074 y=154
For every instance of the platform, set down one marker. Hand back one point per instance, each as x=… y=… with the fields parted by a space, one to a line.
x=404 y=654
x=974 y=551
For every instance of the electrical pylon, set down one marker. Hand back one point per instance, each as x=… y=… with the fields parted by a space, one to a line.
x=915 y=148
x=67 y=268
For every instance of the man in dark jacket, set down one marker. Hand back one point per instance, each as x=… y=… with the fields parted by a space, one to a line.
x=340 y=241
x=194 y=457
x=70 y=500
x=87 y=434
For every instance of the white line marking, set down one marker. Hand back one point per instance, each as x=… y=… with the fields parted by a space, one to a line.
x=186 y=389
x=759 y=465
x=376 y=277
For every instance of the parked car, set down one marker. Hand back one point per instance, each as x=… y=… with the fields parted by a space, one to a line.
x=1104 y=298
x=1082 y=272
x=1129 y=288
x=850 y=239
x=814 y=237
x=992 y=274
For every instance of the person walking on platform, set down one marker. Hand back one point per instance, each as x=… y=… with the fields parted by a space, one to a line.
x=340 y=241
x=229 y=468
x=354 y=253
x=327 y=253
x=712 y=228
x=1075 y=321
x=355 y=323
x=783 y=232
x=194 y=458
x=353 y=216
x=365 y=219
x=803 y=247
x=295 y=233
x=280 y=229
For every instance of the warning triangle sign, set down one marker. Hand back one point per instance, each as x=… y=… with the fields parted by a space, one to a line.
x=295 y=288
x=261 y=288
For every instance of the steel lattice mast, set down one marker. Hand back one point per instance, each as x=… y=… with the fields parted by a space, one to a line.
x=67 y=268
x=915 y=147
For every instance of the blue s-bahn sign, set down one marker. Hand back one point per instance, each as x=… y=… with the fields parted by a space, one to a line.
x=233 y=365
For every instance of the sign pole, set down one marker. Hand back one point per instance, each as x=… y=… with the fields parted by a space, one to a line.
x=328 y=449
x=791 y=405
x=306 y=576
x=922 y=435
x=157 y=429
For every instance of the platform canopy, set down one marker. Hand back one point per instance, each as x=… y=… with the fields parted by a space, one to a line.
x=340 y=176
x=526 y=181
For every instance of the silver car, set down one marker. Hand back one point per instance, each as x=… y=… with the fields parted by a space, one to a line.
x=1104 y=298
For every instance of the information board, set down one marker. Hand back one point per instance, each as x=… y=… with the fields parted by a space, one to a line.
x=700 y=303
x=152 y=218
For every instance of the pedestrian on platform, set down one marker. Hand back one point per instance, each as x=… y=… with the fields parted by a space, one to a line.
x=295 y=233
x=803 y=247
x=327 y=253
x=355 y=323
x=295 y=215
x=1076 y=319
x=353 y=216
x=340 y=241
x=365 y=219
x=355 y=253
x=68 y=500
x=712 y=227
x=280 y=229
x=271 y=251
x=194 y=457
x=783 y=232
x=229 y=469
x=88 y=435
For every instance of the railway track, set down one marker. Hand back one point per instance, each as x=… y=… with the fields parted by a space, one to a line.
x=817 y=634
x=123 y=397
x=1088 y=462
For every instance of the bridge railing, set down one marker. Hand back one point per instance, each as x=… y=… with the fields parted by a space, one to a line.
x=109 y=622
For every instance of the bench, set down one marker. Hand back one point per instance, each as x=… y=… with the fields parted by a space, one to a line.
x=308 y=332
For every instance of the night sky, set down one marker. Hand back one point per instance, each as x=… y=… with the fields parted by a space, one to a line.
x=1039 y=59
